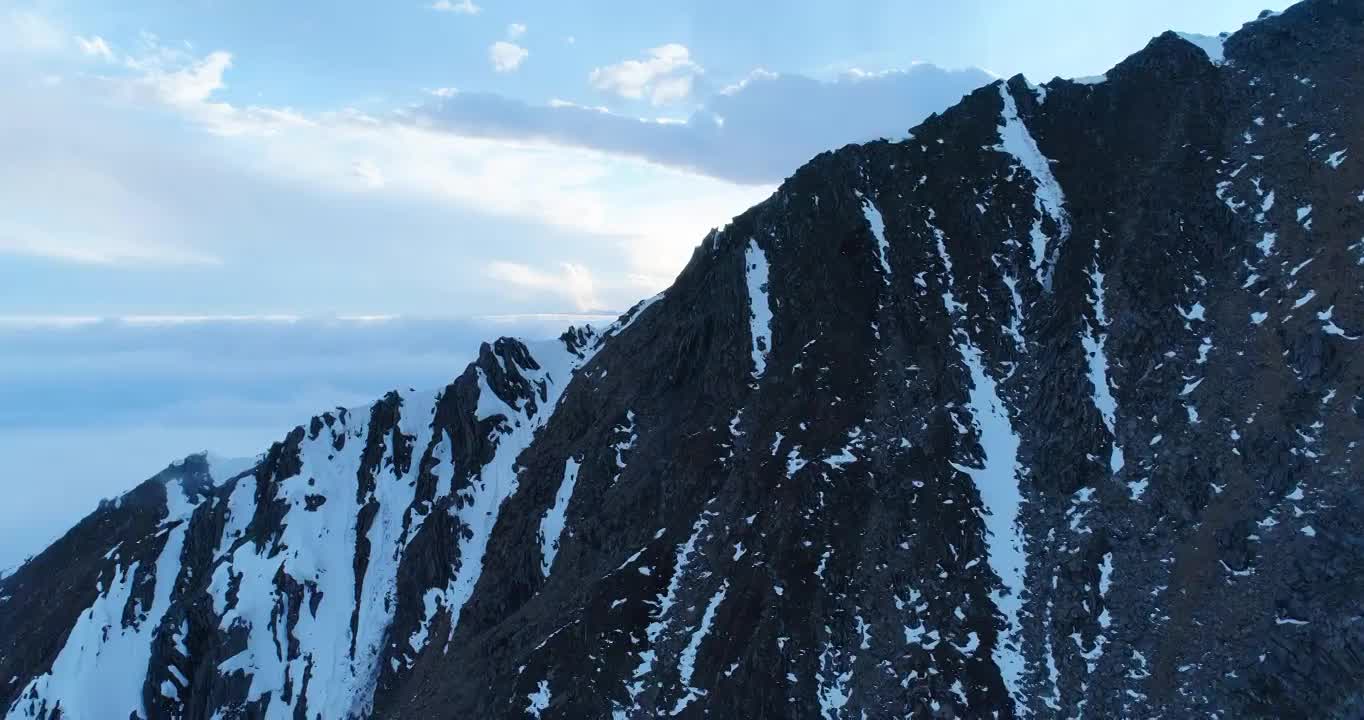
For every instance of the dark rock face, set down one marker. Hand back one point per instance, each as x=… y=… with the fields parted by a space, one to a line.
x=1051 y=410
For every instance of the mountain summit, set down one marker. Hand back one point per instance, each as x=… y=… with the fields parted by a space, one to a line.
x=1051 y=410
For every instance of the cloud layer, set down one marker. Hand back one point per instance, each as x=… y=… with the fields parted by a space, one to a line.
x=754 y=132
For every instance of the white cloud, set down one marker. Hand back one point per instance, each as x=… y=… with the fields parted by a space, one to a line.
x=463 y=7
x=506 y=56
x=189 y=85
x=573 y=282
x=516 y=30
x=665 y=75
x=95 y=47
x=443 y=92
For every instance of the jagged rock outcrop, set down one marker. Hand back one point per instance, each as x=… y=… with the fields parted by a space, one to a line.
x=1050 y=410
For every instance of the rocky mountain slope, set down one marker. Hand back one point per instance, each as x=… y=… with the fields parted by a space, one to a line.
x=1051 y=410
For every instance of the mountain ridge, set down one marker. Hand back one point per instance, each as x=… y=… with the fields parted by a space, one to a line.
x=908 y=395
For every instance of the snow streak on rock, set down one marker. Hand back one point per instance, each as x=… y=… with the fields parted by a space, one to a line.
x=1093 y=340
x=997 y=482
x=686 y=552
x=878 y=229
x=1015 y=140
x=687 y=663
x=759 y=306
x=552 y=524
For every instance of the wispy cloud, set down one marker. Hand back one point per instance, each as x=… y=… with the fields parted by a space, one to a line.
x=463 y=7
x=665 y=75
x=95 y=47
x=506 y=56
x=186 y=86
x=516 y=30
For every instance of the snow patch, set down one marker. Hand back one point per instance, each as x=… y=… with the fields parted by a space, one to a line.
x=1266 y=244
x=1208 y=44
x=539 y=700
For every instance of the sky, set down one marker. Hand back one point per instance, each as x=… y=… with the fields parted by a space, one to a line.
x=217 y=217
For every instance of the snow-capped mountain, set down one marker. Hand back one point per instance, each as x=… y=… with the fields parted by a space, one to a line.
x=1051 y=410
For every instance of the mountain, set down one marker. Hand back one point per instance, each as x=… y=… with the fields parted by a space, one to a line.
x=1051 y=410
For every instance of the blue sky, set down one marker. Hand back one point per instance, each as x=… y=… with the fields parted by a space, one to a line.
x=197 y=195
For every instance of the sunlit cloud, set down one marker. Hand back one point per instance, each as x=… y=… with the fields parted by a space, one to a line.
x=665 y=75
